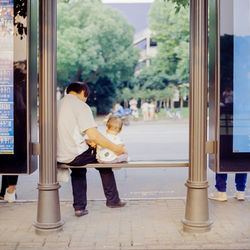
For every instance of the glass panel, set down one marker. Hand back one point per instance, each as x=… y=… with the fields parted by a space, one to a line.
x=135 y=57
x=234 y=85
x=6 y=78
x=13 y=81
x=241 y=81
x=20 y=77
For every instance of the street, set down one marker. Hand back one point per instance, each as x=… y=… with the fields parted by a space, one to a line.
x=145 y=141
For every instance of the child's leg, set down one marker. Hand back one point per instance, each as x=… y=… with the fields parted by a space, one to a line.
x=121 y=158
x=118 y=159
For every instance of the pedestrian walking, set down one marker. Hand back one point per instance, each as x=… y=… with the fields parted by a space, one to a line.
x=133 y=107
x=151 y=109
x=145 y=110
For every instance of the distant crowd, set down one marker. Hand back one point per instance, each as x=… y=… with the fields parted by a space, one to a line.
x=149 y=110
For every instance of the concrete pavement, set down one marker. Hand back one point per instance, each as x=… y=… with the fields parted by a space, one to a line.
x=142 y=224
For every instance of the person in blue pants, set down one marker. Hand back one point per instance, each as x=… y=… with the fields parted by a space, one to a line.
x=221 y=187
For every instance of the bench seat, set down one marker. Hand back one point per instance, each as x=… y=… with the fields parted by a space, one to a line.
x=132 y=164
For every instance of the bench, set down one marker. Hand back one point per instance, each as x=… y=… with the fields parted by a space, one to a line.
x=63 y=169
x=135 y=164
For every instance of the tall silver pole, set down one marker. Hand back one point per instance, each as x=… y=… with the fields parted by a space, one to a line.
x=48 y=210
x=197 y=215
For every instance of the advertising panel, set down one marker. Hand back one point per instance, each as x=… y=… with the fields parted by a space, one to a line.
x=6 y=77
x=18 y=86
x=241 y=77
x=229 y=85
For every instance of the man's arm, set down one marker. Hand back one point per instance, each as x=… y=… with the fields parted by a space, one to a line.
x=101 y=140
x=91 y=143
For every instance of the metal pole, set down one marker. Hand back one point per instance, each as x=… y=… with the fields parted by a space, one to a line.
x=197 y=216
x=48 y=210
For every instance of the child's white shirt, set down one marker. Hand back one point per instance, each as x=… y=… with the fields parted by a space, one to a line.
x=105 y=154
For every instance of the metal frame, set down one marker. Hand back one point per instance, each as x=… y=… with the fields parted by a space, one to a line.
x=32 y=91
x=48 y=209
x=213 y=81
x=196 y=216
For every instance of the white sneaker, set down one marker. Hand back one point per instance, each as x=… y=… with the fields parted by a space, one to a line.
x=10 y=197
x=218 y=196
x=239 y=195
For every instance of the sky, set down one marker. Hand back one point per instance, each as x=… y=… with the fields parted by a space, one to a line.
x=136 y=12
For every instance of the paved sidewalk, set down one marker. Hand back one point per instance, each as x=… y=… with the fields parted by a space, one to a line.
x=142 y=224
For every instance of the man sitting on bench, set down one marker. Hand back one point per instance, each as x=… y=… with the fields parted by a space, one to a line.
x=74 y=121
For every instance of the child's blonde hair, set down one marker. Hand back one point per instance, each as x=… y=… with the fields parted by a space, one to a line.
x=114 y=123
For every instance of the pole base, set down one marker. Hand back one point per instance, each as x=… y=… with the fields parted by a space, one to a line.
x=192 y=227
x=46 y=229
x=197 y=215
x=48 y=209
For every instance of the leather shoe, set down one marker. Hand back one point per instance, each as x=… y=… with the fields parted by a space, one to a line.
x=79 y=213
x=117 y=205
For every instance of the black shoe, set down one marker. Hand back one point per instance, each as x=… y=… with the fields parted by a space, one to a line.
x=79 y=213
x=117 y=205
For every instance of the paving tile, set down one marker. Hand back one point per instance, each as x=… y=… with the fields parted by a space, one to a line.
x=30 y=245
x=132 y=227
x=80 y=245
x=8 y=245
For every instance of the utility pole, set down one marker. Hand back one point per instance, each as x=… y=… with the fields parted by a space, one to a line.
x=197 y=214
x=48 y=210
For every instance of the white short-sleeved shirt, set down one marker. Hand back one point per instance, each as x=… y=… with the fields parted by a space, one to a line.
x=105 y=154
x=151 y=107
x=74 y=117
x=133 y=104
x=144 y=107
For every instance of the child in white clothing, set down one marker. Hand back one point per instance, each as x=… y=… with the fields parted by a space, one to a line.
x=104 y=155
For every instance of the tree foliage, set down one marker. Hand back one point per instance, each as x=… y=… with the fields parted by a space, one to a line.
x=169 y=22
x=95 y=44
x=171 y=32
x=180 y=3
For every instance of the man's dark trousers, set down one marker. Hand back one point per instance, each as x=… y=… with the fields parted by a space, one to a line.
x=79 y=181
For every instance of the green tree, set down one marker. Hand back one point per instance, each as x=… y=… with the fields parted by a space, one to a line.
x=150 y=78
x=126 y=94
x=169 y=92
x=182 y=69
x=171 y=32
x=180 y=3
x=95 y=44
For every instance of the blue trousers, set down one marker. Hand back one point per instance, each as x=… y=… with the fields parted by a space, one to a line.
x=221 y=182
